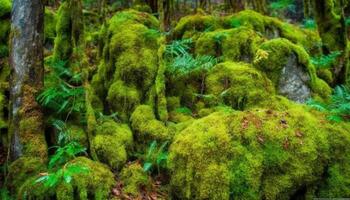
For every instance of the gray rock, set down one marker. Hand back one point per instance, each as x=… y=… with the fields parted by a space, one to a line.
x=294 y=80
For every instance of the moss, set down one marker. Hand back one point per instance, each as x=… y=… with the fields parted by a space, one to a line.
x=239 y=44
x=111 y=143
x=5 y=7
x=326 y=75
x=69 y=29
x=198 y=160
x=129 y=74
x=279 y=51
x=96 y=184
x=134 y=178
x=238 y=85
x=146 y=127
x=267 y=155
x=191 y=25
x=76 y=133
x=272 y=28
x=50 y=26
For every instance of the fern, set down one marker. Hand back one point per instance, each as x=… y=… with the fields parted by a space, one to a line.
x=339 y=107
x=156 y=157
x=280 y=6
x=178 y=48
x=184 y=110
x=309 y=24
x=325 y=61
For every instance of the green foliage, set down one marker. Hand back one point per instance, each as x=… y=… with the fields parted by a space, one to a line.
x=280 y=6
x=178 y=48
x=339 y=107
x=309 y=24
x=325 y=61
x=5 y=194
x=64 y=94
x=184 y=110
x=156 y=157
x=347 y=21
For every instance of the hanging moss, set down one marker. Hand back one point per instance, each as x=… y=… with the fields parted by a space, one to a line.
x=261 y=154
x=134 y=178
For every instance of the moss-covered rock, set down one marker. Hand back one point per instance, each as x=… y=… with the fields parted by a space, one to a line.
x=127 y=73
x=289 y=68
x=190 y=26
x=112 y=143
x=96 y=184
x=238 y=44
x=134 y=178
x=261 y=154
x=273 y=28
x=146 y=127
x=238 y=85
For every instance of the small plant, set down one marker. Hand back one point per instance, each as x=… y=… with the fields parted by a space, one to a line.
x=65 y=94
x=184 y=110
x=325 y=61
x=156 y=157
x=260 y=55
x=339 y=107
x=178 y=48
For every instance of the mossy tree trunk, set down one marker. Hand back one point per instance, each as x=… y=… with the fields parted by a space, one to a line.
x=26 y=60
x=307 y=8
x=332 y=29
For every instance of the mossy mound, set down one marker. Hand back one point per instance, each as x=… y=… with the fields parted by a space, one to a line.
x=285 y=60
x=238 y=44
x=190 y=26
x=238 y=85
x=83 y=185
x=146 y=127
x=134 y=178
x=129 y=67
x=261 y=154
x=273 y=28
x=112 y=142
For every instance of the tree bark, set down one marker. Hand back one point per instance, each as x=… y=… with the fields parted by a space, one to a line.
x=26 y=60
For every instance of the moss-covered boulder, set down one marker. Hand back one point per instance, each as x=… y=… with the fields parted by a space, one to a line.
x=129 y=67
x=95 y=184
x=134 y=178
x=238 y=44
x=147 y=128
x=190 y=26
x=113 y=143
x=260 y=154
x=289 y=68
x=272 y=28
x=238 y=85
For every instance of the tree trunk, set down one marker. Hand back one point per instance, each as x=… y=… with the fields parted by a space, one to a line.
x=26 y=60
x=259 y=6
x=332 y=29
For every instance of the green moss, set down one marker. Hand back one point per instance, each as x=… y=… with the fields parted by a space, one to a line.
x=76 y=133
x=129 y=74
x=266 y=154
x=279 y=52
x=111 y=143
x=239 y=44
x=199 y=160
x=238 y=85
x=134 y=178
x=272 y=28
x=5 y=7
x=146 y=127
x=326 y=75
x=50 y=25
x=190 y=26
